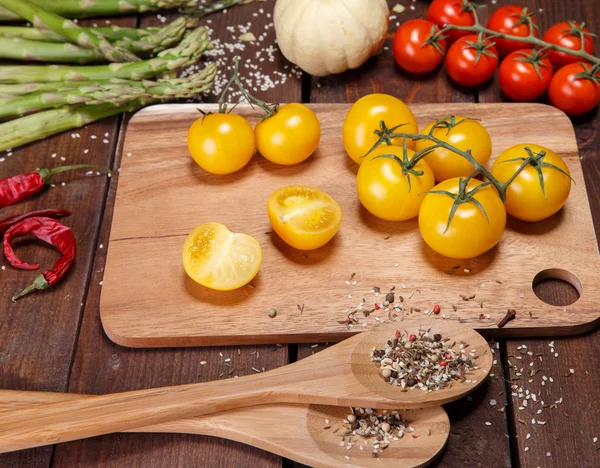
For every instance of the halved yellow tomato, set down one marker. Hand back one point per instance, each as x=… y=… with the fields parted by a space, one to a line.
x=217 y=258
x=306 y=218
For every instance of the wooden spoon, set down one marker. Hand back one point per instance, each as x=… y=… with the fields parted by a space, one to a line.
x=342 y=375
x=293 y=431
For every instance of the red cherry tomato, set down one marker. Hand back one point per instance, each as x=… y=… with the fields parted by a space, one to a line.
x=471 y=60
x=524 y=75
x=574 y=89
x=513 y=20
x=418 y=47
x=456 y=12
x=568 y=34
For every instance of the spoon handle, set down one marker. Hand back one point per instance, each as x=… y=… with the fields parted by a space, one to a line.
x=258 y=426
x=90 y=416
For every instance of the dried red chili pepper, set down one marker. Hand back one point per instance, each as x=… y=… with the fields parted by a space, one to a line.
x=52 y=232
x=19 y=187
x=8 y=222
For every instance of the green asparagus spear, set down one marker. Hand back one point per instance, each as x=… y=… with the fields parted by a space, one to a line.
x=164 y=37
x=44 y=124
x=83 y=37
x=38 y=51
x=117 y=94
x=112 y=33
x=87 y=9
x=9 y=90
x=31 y=34
x=187 y=52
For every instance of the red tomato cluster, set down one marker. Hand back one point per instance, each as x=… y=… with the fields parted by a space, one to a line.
x=524 y=72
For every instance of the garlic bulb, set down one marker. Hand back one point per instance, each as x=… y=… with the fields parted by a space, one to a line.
x=330 y=36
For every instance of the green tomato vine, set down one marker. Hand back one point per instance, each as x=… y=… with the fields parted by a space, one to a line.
x=525 y=18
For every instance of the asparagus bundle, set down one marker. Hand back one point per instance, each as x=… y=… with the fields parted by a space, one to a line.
x=86 y=9
x=84 y=37
x=187 y=52
x=44 y=124
x=117 y=94
x=41 y=51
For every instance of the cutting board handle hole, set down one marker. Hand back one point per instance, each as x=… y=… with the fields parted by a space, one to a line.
x=557 y=287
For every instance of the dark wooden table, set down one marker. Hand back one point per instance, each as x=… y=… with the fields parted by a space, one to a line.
x=53 y=341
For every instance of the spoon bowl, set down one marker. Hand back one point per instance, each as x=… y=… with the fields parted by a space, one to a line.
x=367 y=373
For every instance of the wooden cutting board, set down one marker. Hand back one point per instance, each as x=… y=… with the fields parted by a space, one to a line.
x=148 y=301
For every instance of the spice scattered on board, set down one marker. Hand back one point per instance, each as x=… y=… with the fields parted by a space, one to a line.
x=510 y=315
x=424 y=361
x=366 y=423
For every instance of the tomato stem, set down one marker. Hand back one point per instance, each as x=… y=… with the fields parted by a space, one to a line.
x=270 y=111
x=477 y=28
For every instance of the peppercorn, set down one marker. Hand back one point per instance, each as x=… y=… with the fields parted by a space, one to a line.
x=443 y=363
x=398 y=334
x=355 y=425
x=272 y=312
x=412 y=337
x=437 y=337
x=436 y=309
x=394 y=374
x=411 y=382
x=390 y=297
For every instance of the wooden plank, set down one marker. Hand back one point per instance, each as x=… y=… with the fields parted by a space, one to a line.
x=150 y=225
x=570 y=428
x=38 y=333
x=101 y=366
x=567 y=437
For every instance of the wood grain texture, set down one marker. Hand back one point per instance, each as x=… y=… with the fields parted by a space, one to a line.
x=151 y=223
x=310 y=435
x=343 y=375
x=100 y=366
x=38 y=334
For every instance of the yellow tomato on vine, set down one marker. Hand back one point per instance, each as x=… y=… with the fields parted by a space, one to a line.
x=364 y=119
x=388 y=187
x=462 y=220
x=540 y=189
x=221 y=143
x=462 y=133
x=289 y=136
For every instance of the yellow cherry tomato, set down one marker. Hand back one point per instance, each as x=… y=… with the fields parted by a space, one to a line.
x=221 y=143
x=306 y=218
x=220 y=259
x=388 y=191
x=290 y=136
x=525 y=198
x=470 y=232
x=364 y=118
x=462 y=133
